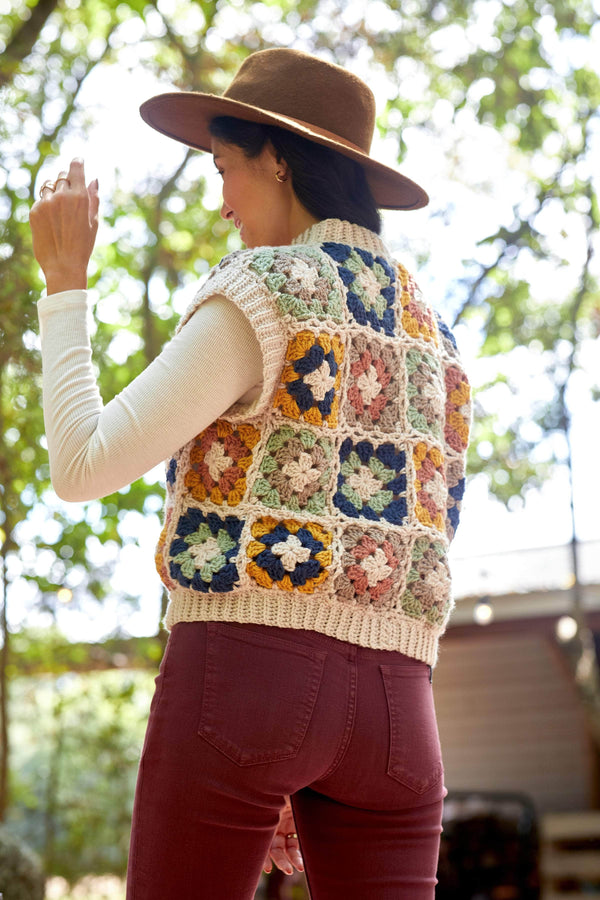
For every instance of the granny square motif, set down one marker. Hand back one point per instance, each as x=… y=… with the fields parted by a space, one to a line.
x=203 y=550
x=457 y=409
x=424 y=393
x=374 y=566
x=302 y=284
x=455 y=482
x=326 y=501
x=219 y=460
x=373 y=390
x=369 y=282
x=288 y=554
x=372 y=481
x=428 y=581
x=311 y=378
x=430 y=486
x=295 y=471
x=417 y=318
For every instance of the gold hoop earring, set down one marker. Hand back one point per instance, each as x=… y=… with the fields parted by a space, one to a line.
x=280 y=177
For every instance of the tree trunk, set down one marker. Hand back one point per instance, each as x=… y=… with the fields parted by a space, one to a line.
x=5 y=532
x=4 y=748
x=23 y=39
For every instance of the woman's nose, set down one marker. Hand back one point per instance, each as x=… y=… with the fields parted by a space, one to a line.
x=226 y=211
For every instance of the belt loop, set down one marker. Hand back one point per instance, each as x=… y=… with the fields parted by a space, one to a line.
x=430 y=674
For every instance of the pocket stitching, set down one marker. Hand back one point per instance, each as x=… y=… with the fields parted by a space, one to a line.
x=229 y=748
x=397 y=770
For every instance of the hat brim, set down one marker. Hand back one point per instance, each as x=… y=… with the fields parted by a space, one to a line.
x=185 y=116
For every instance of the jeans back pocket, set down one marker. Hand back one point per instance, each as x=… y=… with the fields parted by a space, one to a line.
x=258 y=695
x=415 y=756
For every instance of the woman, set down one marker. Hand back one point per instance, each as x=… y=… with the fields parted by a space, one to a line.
x=315 y=419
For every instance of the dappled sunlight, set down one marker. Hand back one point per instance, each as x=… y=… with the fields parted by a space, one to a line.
x=103 y=887
x=493 y=106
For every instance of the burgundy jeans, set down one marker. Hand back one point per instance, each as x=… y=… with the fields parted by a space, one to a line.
x=245 y=714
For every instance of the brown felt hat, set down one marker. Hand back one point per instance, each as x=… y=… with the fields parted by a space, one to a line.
x=298 y=92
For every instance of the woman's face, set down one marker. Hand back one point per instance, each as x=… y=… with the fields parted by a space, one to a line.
x=259 y=206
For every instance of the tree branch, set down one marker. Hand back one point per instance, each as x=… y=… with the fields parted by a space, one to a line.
x=151 y=347
x=23 y=39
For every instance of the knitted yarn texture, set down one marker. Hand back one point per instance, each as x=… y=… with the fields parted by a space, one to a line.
x=329 y=502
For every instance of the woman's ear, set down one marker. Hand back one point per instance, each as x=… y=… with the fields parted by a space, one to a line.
x=281 y=170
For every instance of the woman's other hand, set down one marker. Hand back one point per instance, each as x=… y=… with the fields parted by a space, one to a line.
x=285 y=849
x=64 y=223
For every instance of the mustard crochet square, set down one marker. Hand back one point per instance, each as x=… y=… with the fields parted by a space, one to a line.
x=430 y=486
x=417 y=318
x=458 y=409
x=159 y=556
x=288 y=554
x=311 y=378
x=295 y=471
x=219 y=461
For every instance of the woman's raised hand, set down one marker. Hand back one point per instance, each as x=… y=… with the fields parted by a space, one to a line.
x=64 y=223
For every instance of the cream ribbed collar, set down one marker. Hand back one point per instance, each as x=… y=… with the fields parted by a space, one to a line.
x=343 y=233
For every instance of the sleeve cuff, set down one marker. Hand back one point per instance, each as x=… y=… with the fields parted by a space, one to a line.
x=52 y=302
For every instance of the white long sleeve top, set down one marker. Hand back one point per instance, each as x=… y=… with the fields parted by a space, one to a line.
x=316 y=414
x=96 y=449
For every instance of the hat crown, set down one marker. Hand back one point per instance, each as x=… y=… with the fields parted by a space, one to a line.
x=300 y=93
x=294 y=84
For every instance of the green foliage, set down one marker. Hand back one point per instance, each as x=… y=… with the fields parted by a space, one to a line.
x=47 y=652
x=455 y=71
x=39 y=107
x=77 y=742
x=21 y=876
x=495 y=69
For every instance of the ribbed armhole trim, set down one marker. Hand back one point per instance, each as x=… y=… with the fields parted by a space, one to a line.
x=236 y=284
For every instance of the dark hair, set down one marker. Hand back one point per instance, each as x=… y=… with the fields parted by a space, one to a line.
x=328 y=184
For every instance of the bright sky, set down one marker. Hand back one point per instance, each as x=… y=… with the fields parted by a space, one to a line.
x=122 y=149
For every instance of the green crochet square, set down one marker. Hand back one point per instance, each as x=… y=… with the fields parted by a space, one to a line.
x=427 y=594
x=304 y=284
x=295 y=471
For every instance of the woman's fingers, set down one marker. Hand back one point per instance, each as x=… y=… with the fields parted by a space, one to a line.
x=295 y=858
x=280 y=858
x=94 y=200
x=285 y=847
x=46 y=189
x=62 y=182
x=72 y=182
x=64 y=223
x=77 y=174
x=285 y=853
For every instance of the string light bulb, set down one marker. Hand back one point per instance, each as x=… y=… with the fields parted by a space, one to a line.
x=566 y=629
x=483 y=612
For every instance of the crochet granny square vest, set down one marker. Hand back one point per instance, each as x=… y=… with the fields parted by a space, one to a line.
x=328 y=502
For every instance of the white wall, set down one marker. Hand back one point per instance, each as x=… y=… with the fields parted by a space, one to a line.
x=510 y=720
